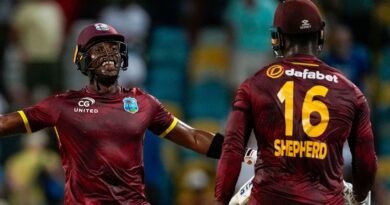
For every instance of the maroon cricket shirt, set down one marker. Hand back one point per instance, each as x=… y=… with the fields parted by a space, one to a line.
x=301 y=111
x=101 y=141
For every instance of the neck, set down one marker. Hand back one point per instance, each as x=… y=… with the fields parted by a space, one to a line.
x=101 y=89
x=308 y=50
x=300 y=45
x=103 y=85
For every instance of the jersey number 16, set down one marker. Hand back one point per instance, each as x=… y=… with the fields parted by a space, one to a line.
x=286 y=95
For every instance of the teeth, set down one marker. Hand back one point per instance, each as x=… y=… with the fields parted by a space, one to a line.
x=108 y=63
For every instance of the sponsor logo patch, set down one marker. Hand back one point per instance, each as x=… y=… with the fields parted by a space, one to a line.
x=84 y=104
x=315 y=75
x=275 y=71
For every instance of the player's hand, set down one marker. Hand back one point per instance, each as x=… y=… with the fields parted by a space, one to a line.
x=349 y=197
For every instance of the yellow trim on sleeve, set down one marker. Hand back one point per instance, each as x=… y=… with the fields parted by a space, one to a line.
x=25 y=121
x=170 y=128
x=305 y=64
x=58 y=136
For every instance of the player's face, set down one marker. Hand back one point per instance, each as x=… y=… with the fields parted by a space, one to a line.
x=105 y=58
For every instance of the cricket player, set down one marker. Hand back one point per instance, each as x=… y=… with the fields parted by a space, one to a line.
x=101 y=127
x=302 y=111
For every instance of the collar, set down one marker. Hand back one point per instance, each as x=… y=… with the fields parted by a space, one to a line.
x=302 y=59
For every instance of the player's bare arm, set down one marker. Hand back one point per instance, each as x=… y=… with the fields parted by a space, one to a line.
x=11 y=123
x=197 y=140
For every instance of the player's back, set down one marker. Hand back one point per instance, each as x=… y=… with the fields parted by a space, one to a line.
x=303 y=112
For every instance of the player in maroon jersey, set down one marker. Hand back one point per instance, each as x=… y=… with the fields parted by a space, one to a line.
x=302 y=111
x=101 y=127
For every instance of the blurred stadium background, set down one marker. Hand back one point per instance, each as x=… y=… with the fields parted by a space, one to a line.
x=191 y=54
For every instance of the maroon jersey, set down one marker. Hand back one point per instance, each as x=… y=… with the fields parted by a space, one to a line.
x=101 y=142
x=302 y=111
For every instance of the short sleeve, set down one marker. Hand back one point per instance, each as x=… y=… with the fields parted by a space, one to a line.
x=43 y=114
x=162 y=121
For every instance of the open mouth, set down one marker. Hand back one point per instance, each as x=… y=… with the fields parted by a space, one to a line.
x=108 y=63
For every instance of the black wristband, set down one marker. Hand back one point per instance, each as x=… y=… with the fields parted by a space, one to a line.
x=215 y=148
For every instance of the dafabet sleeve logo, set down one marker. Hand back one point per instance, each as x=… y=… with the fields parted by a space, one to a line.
x=275 y=71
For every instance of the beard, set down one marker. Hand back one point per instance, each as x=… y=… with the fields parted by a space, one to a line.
x=100 y=74
x=106 y=80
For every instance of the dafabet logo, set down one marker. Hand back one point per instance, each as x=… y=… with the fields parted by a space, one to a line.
x=275 y=71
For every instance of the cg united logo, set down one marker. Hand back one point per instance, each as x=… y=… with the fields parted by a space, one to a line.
x=84 y=104
x=130 y=105
x=275 y=71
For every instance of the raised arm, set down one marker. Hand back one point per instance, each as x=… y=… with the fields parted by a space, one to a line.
x=11 y=124
x=197 y=140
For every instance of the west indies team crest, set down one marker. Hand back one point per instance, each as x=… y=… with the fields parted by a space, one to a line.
x=130 y=105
